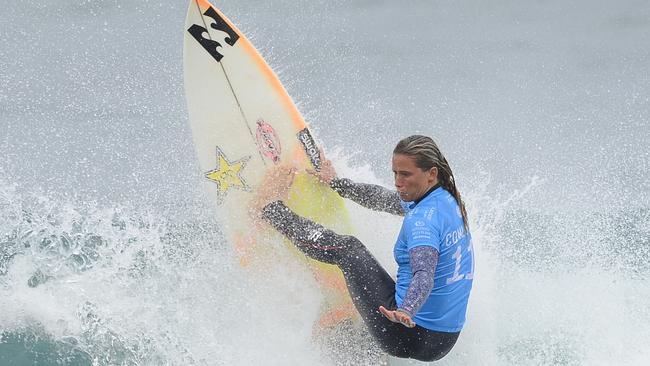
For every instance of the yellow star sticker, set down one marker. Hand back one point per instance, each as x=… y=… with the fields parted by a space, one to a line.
x=228 y=174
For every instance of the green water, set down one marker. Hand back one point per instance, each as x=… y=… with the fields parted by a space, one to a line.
x=30 y=348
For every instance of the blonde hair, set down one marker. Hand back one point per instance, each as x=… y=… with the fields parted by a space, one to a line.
x=427 y=155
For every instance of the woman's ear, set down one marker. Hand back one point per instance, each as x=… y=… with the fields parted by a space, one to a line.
x=433 y=174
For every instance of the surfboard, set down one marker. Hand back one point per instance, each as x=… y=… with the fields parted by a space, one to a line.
x=243 y=125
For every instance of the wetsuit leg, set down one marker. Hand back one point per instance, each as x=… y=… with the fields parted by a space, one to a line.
x=368 y=283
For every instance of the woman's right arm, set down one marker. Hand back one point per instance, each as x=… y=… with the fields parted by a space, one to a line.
x=371 y=196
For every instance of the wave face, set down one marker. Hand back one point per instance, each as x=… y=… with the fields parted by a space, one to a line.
x=110 y=253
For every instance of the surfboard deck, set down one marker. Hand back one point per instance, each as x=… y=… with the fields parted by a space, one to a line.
x=244 y=124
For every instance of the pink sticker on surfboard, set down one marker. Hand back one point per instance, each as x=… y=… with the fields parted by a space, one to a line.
x=268 y=141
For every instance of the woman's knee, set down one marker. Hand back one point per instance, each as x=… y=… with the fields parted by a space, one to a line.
x=350 y=242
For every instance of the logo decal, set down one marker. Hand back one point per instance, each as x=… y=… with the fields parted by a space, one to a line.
x=310 y=148
x=227 y=174
x=268 y=141
x=315 y=235
x=209 y=44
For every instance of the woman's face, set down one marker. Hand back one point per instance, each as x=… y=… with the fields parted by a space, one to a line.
x=412 y=182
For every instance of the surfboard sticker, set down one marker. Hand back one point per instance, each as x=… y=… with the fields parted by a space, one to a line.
x=268 y=141
x=311 y=150
x=227 y=174
x=218 y=23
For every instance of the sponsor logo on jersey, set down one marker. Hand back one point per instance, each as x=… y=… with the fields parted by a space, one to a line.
x=311 y=150
x=268 y=141
x=419 y=230
x=213 y=46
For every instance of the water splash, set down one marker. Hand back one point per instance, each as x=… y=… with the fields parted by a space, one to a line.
x=130 y=287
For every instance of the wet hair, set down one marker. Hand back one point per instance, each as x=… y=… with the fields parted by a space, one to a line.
x=427 y=155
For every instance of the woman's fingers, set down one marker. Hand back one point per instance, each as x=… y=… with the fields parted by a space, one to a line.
x=397 y=317
x=388 y=314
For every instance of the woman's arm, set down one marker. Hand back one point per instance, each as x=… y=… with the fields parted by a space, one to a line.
x=423 y=266
x=371 y=196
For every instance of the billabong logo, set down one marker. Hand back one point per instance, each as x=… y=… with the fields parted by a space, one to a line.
x=310 y=148
x=268 y=141
x=219 y=24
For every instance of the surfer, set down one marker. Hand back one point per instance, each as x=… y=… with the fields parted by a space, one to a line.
x=421 y=314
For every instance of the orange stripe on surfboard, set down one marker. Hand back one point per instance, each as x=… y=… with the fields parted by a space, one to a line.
x=203 y=4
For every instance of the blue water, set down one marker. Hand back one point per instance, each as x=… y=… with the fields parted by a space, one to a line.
x=109 y=251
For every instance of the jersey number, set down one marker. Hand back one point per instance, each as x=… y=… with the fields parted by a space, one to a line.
x=458 y=254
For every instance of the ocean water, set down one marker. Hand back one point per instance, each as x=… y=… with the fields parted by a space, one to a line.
x=110 y=253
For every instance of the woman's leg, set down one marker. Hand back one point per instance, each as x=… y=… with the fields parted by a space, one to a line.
x=368 y=283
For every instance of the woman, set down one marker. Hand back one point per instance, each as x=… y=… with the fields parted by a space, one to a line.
x=421 y=314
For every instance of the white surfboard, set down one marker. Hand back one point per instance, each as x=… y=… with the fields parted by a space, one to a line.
x=244 y=123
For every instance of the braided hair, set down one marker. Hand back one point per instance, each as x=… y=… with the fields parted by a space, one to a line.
x=427 y=155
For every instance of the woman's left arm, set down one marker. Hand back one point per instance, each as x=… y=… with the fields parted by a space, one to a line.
x=423 y=261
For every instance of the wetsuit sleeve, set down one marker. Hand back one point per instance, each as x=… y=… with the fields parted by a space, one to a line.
x=423 y=265
x=371 y=196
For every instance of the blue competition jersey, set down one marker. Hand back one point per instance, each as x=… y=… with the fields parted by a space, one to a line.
x=436 y=221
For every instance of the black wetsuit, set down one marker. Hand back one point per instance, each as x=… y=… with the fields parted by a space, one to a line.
x=368 y=283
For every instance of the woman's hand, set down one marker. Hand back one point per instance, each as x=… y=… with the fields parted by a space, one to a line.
x=275 y=186
x=326 y=173
x=398 y=317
